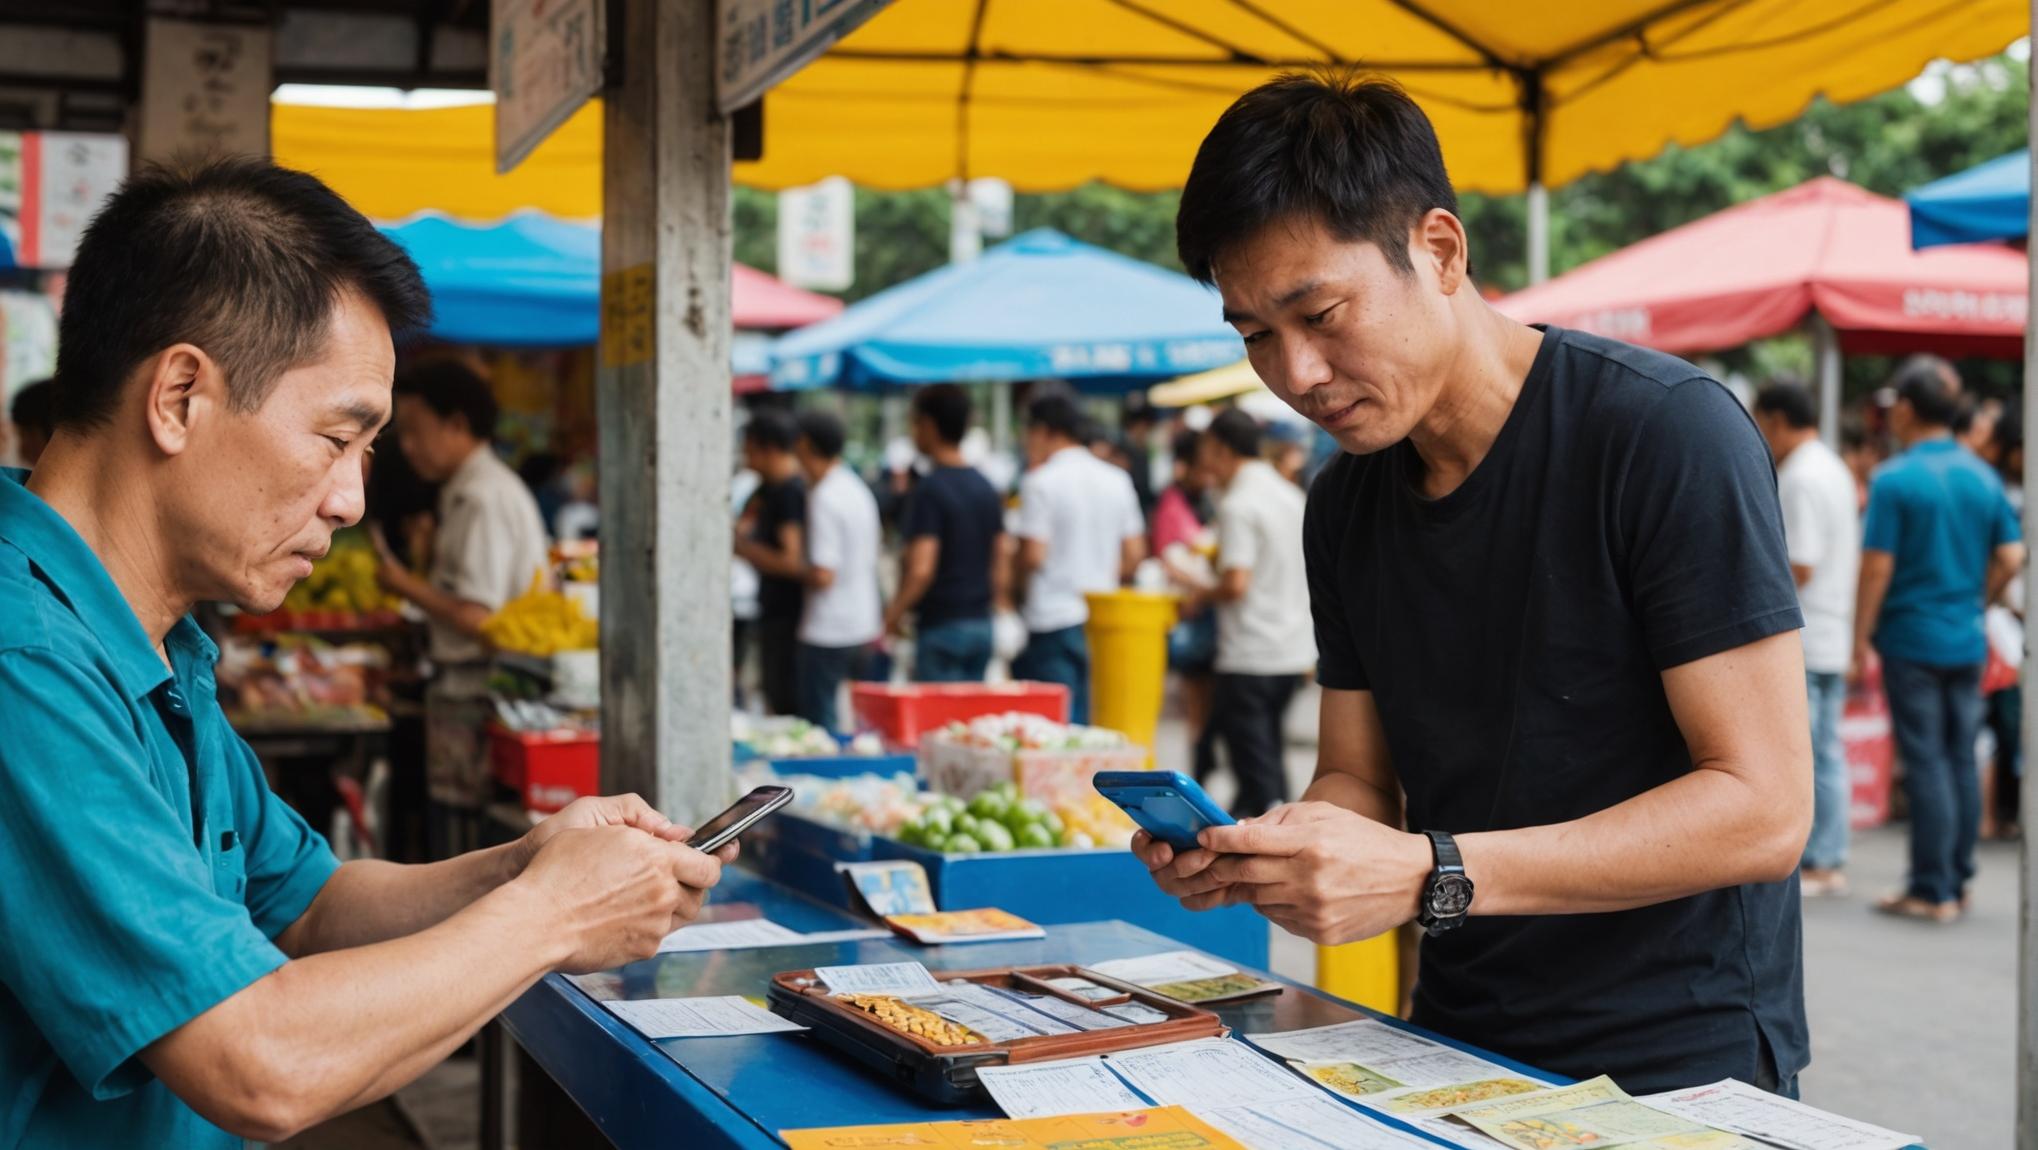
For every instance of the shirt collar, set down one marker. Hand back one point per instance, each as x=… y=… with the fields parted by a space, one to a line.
x=69 y=565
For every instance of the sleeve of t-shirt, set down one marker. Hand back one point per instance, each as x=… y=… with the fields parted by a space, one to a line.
x=287 y=862
x=2006 y=527
x=1033 y=520
x=1801 y=526
x=1697 y=509
x=826 y=534
x=1131 y=517
x=1338 y=667
x=1238 y=535
x=922 y=516
x=115 y=935
x=1882 y=528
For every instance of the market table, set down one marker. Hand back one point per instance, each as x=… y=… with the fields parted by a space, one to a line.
x=736 y=1093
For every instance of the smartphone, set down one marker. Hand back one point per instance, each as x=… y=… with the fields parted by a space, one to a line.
x=721 y=830
x=1166 y=804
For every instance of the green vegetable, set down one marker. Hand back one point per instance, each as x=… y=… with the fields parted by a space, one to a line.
x=990 y=805
x=995 y=837
x=962 y=844
x=1036 y=837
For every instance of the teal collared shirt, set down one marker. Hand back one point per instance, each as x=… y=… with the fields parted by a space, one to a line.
x=145 y=866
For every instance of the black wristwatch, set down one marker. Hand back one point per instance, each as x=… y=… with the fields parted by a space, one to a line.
x=1447 y=897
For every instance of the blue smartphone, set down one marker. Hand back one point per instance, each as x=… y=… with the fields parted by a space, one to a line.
x=1168 y=805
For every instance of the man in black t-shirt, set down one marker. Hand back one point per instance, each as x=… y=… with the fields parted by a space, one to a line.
x=770 y=537
x=954 y=527
x=1556 y=622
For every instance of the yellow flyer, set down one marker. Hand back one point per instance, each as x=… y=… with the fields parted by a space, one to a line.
x=1588 y=1116
x=1164 y=1128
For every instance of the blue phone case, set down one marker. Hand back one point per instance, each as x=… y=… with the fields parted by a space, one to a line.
x=1166 y=804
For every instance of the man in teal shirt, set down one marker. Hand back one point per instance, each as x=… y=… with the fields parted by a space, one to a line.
x=182 y=961
x=1939 y=544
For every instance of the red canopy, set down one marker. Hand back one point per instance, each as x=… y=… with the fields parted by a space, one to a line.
x=1758 y=269
x=759 y=302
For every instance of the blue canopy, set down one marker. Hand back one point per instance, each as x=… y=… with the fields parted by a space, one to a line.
x=529 y=281
x=1990 y=201
x=1039 y=306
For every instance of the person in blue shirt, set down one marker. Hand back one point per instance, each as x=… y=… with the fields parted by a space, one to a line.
x=182 y=960
x=1940 y=542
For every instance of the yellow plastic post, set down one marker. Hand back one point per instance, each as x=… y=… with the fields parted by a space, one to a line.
x=1128 y=634
x=1368 y=973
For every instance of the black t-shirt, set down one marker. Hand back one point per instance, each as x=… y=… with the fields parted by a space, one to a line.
x=1513 y=634
x=777 y=505
x=957 y=506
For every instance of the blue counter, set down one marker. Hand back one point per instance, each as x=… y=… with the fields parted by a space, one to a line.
x=713 y=1093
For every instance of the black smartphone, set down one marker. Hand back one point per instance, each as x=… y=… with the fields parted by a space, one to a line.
x=719 y=831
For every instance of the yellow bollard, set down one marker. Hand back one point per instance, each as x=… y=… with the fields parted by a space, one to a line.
x=1128 y=635
x=1368 y=973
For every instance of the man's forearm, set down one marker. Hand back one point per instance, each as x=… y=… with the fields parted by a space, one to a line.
x=451 y=610
x=333 y=1031
x=770 y=560
x=2003 y=566
x=1705 y=830
x=369 y=900
x=911 y=590
x=1355 y=794
x=1868 y=596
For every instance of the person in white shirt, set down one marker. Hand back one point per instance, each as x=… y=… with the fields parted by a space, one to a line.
x=1080 y=530
x=1822 y=532
x=1266 y=637
x=844 y=614
x=489 y=544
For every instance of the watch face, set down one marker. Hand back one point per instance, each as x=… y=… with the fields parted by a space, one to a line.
x=1450 y=896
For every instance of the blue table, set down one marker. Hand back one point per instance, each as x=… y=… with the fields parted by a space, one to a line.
x=713 y=1093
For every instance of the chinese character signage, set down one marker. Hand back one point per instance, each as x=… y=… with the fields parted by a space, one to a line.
x=817 y=235
x=51 y=183
x=761 y=42
x=205 y=89
x=545 y=63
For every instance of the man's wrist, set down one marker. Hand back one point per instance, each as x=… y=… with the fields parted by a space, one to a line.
x=1418 y=861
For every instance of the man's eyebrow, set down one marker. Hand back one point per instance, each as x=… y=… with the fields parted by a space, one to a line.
x=365 y=415
x=1232 y=315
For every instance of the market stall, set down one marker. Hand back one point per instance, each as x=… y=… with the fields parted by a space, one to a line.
x=1990 y=201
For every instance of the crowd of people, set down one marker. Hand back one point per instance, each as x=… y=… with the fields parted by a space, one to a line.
x=1225 y=536
x=1906 y=571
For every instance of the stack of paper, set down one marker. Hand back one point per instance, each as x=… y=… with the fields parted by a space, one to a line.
x=1224 y=1083
x=751 y=934
x=944 y=927
x=1745 y=1109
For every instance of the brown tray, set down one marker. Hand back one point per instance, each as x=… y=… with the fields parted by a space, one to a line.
x=948 y=1073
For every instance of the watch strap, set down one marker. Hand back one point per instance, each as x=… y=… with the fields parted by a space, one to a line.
x=1446 y=850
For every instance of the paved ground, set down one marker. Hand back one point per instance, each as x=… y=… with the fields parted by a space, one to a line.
x=1912 y=1025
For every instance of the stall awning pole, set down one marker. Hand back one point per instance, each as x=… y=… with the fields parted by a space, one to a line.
x=663 y=398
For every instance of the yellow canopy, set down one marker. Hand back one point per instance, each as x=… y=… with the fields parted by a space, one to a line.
x=1206 y=387
x=1050 y=93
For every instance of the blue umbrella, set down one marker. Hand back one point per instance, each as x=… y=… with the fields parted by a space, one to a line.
x=1991 y=201
x=529 y=281
x=1040 y=306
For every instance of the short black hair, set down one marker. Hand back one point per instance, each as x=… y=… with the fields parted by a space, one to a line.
x=1057 y=413
x=947 y=406
x=1336 y=145
x=34 y=406
x=1965 y=411
x=1791 y=400
x=1183 y=449
x=451 y=388
x=237 y=256
x=823 y=431
x=771 y=429
x=1237 y=431
x=1925 y=364
x=2009 y=432
x=1920 y=384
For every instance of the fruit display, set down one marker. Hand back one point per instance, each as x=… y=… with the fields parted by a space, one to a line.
x=1047 y=761
x=996 y=820
x=790 y=738
x=541 y=622
x=1014 y=732
x=340 y=594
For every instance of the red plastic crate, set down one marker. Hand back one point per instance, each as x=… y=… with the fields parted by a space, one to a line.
x=904 y=712
x=1865 y=736
x=547 y=768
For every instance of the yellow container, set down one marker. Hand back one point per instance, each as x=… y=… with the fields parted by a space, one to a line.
x=1128 y=634
x=1368 y=973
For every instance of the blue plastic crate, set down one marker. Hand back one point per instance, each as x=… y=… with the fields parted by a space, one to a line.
x=1061 y=886
x=846 y=766
x=802 y=852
